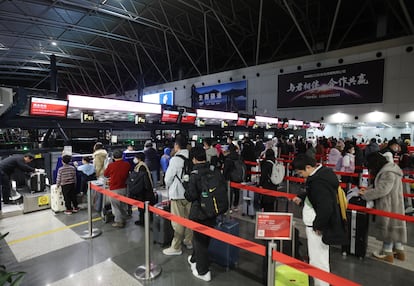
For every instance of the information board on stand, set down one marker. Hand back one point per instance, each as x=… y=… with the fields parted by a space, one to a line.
x=274 y=226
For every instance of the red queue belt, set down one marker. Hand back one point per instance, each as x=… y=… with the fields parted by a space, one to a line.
x=274 y=193
x=235 y=240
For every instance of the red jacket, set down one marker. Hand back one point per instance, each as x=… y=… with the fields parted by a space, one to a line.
x=117 y=172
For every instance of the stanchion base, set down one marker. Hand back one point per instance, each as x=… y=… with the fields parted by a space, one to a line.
x=155 y=270
x=95 y=232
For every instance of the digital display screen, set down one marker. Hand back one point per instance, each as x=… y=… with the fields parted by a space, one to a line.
x=48 y=107
x=251 y=122
x=241 y=121
x=170 y=116
x=188 y=117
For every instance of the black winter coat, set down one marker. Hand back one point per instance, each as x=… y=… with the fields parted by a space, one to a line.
x=265 y=182
x=321 y=190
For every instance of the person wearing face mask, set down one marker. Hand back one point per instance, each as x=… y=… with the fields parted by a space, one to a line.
x=348 y=162
x=142 y=188
x=391 y=150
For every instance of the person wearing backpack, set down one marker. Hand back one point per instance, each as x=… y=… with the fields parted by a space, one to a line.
x=140 y=185
x=202 y=181
x=266 y=167
x=175 y=180
x=321 y=211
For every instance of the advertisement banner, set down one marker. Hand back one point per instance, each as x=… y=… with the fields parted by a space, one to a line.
x=347 y=84
x=230 y=96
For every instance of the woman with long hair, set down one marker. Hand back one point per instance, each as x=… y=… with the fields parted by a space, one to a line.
x=387 y=193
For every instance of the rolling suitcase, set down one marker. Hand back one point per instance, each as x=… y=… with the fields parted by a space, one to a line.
x=222 y=253
x=357 y=233
x=162 y=231
x=37 y=182
x=57 y=202
x=289 y=276
x=284 y=274
x=248 y=204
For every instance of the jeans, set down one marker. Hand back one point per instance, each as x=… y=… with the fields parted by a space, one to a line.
x=154 y=176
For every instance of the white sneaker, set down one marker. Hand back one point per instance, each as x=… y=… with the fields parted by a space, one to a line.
x=206 y=277
x=172 y=251
x=192 y=264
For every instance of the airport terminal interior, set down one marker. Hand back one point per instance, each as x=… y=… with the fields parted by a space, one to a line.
x=49 y=248
x=128 y=73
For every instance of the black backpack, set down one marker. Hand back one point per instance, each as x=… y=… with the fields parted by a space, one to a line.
x=185 y=172
x=139 y=187
x=214 y=198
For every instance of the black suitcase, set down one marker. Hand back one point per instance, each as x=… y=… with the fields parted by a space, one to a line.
x=37 y=182
x=162 y=231
x=357 y=233
x=223 y=253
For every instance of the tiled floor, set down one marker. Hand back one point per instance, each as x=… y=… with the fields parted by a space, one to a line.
x=48 y=247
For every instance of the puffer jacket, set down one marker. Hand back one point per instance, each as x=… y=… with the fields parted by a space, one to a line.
x=99 y=157
x=172 y=181
x=388 y=196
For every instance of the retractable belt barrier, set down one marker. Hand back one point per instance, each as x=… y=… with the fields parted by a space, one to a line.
x=354 y=207
x=348 y=174
x=235 y=240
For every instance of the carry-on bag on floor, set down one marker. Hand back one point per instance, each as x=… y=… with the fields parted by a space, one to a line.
x=357 y=233
x=106 y=209
x=289 y=276
x=357 y=229
x=162 y=231
x=37 y=182
x=248 y=204
x=286 y=275
x=223 y=253
x=57 y=202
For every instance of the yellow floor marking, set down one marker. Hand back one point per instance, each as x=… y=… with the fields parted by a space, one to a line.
x=50 y=231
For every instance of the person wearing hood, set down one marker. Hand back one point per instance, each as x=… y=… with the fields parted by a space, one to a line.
x=387 y=193
x=164 y=162
x=99 y=156
x=321 y=213
x=179 y=205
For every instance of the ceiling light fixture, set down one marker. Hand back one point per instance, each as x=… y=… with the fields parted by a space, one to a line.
x=54 y=43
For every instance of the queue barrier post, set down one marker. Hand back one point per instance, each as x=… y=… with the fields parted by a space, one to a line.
x=90 y=232
x=148 y=270
x=270 y=263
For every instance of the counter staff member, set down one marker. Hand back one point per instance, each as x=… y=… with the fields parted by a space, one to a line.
x=7 y=167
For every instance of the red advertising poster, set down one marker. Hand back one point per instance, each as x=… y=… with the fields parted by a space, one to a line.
x=48 y=107
x=272 y=225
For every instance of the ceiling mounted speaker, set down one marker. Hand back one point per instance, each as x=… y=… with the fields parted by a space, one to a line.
x=397 y=116
x=356 y=117
x=340 y=60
